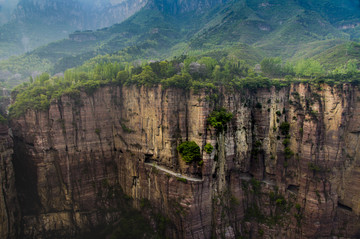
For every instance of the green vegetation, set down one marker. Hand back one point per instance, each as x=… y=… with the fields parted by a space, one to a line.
x=298 y=215
x=314 y=167
x=184 y=72
x=189 y=151
x=126 y=129
x=219 y=119
x=288 y=153
x=208 y=148
x=3 y=120
x=214 y=57
x=286 y=142
x=273 y=67
x=156 y=33
x=285 y=128
x=339 y=56
x=278 y=207
x=184 y=180
x=256 y=185
x=312 y=69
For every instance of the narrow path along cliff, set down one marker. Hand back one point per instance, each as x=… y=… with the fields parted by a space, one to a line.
x=179 y=175
x=281 y=159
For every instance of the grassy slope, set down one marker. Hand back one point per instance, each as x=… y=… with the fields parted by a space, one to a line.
x=339 y=55
x=277 y=28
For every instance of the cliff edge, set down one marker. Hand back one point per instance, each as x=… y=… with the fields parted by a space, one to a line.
x=286 y=166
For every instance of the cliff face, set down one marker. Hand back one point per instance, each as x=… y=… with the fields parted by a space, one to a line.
x=287 y=166
x=9 y=208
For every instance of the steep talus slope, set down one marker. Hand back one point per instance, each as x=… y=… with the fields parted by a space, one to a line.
x=286 y=167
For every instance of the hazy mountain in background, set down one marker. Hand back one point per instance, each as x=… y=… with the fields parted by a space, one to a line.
x=176 y=7
x=281 y=28
x=291 y=29
x=80 y=14
x=32 y=23
x=6 y=9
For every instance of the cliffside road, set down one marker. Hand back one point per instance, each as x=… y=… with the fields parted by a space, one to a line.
x=178 y=175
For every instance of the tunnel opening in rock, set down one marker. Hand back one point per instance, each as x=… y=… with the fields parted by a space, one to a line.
x=148 y=158
x=293 y=188
x=343 y=206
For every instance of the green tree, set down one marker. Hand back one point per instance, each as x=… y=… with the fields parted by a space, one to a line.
x=189 y=151
x=179 y=81
x=122 y=77
x=208 y=148
x=351 y=66
x=271 y=66
x=210 y=64
x=147 y=77
x=309 y=68
x=219 y=119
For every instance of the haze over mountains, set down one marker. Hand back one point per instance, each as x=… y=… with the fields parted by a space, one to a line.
x=188 y=119
x=32 y=23
x=163 y=28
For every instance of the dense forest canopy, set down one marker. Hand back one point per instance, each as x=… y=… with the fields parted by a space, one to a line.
x=193 y=45
x=185 y=72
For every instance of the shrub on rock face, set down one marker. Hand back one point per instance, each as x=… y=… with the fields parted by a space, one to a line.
x=189 y=151
x=285 y=128
x=219 y=119
x=208 y=148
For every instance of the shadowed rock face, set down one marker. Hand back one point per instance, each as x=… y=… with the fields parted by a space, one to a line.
x=9 y=208
x=287 y=166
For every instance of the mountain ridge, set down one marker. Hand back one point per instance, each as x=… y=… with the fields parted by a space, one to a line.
x=164 y=29
x=36 y=23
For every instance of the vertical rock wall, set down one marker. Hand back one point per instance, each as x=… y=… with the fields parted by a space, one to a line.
x=287 y=166
x=9 y=211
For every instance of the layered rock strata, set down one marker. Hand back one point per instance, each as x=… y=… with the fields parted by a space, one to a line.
x=9 y=208
x=286 y=167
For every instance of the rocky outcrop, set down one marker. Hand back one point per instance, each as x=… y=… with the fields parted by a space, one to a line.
x=286 y=167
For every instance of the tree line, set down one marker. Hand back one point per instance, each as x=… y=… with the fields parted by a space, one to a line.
x=181 y=72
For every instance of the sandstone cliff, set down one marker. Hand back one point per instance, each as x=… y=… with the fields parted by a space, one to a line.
x=287 y=166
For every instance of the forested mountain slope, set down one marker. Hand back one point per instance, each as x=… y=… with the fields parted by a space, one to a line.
x=163 y=29
x=34 y=23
